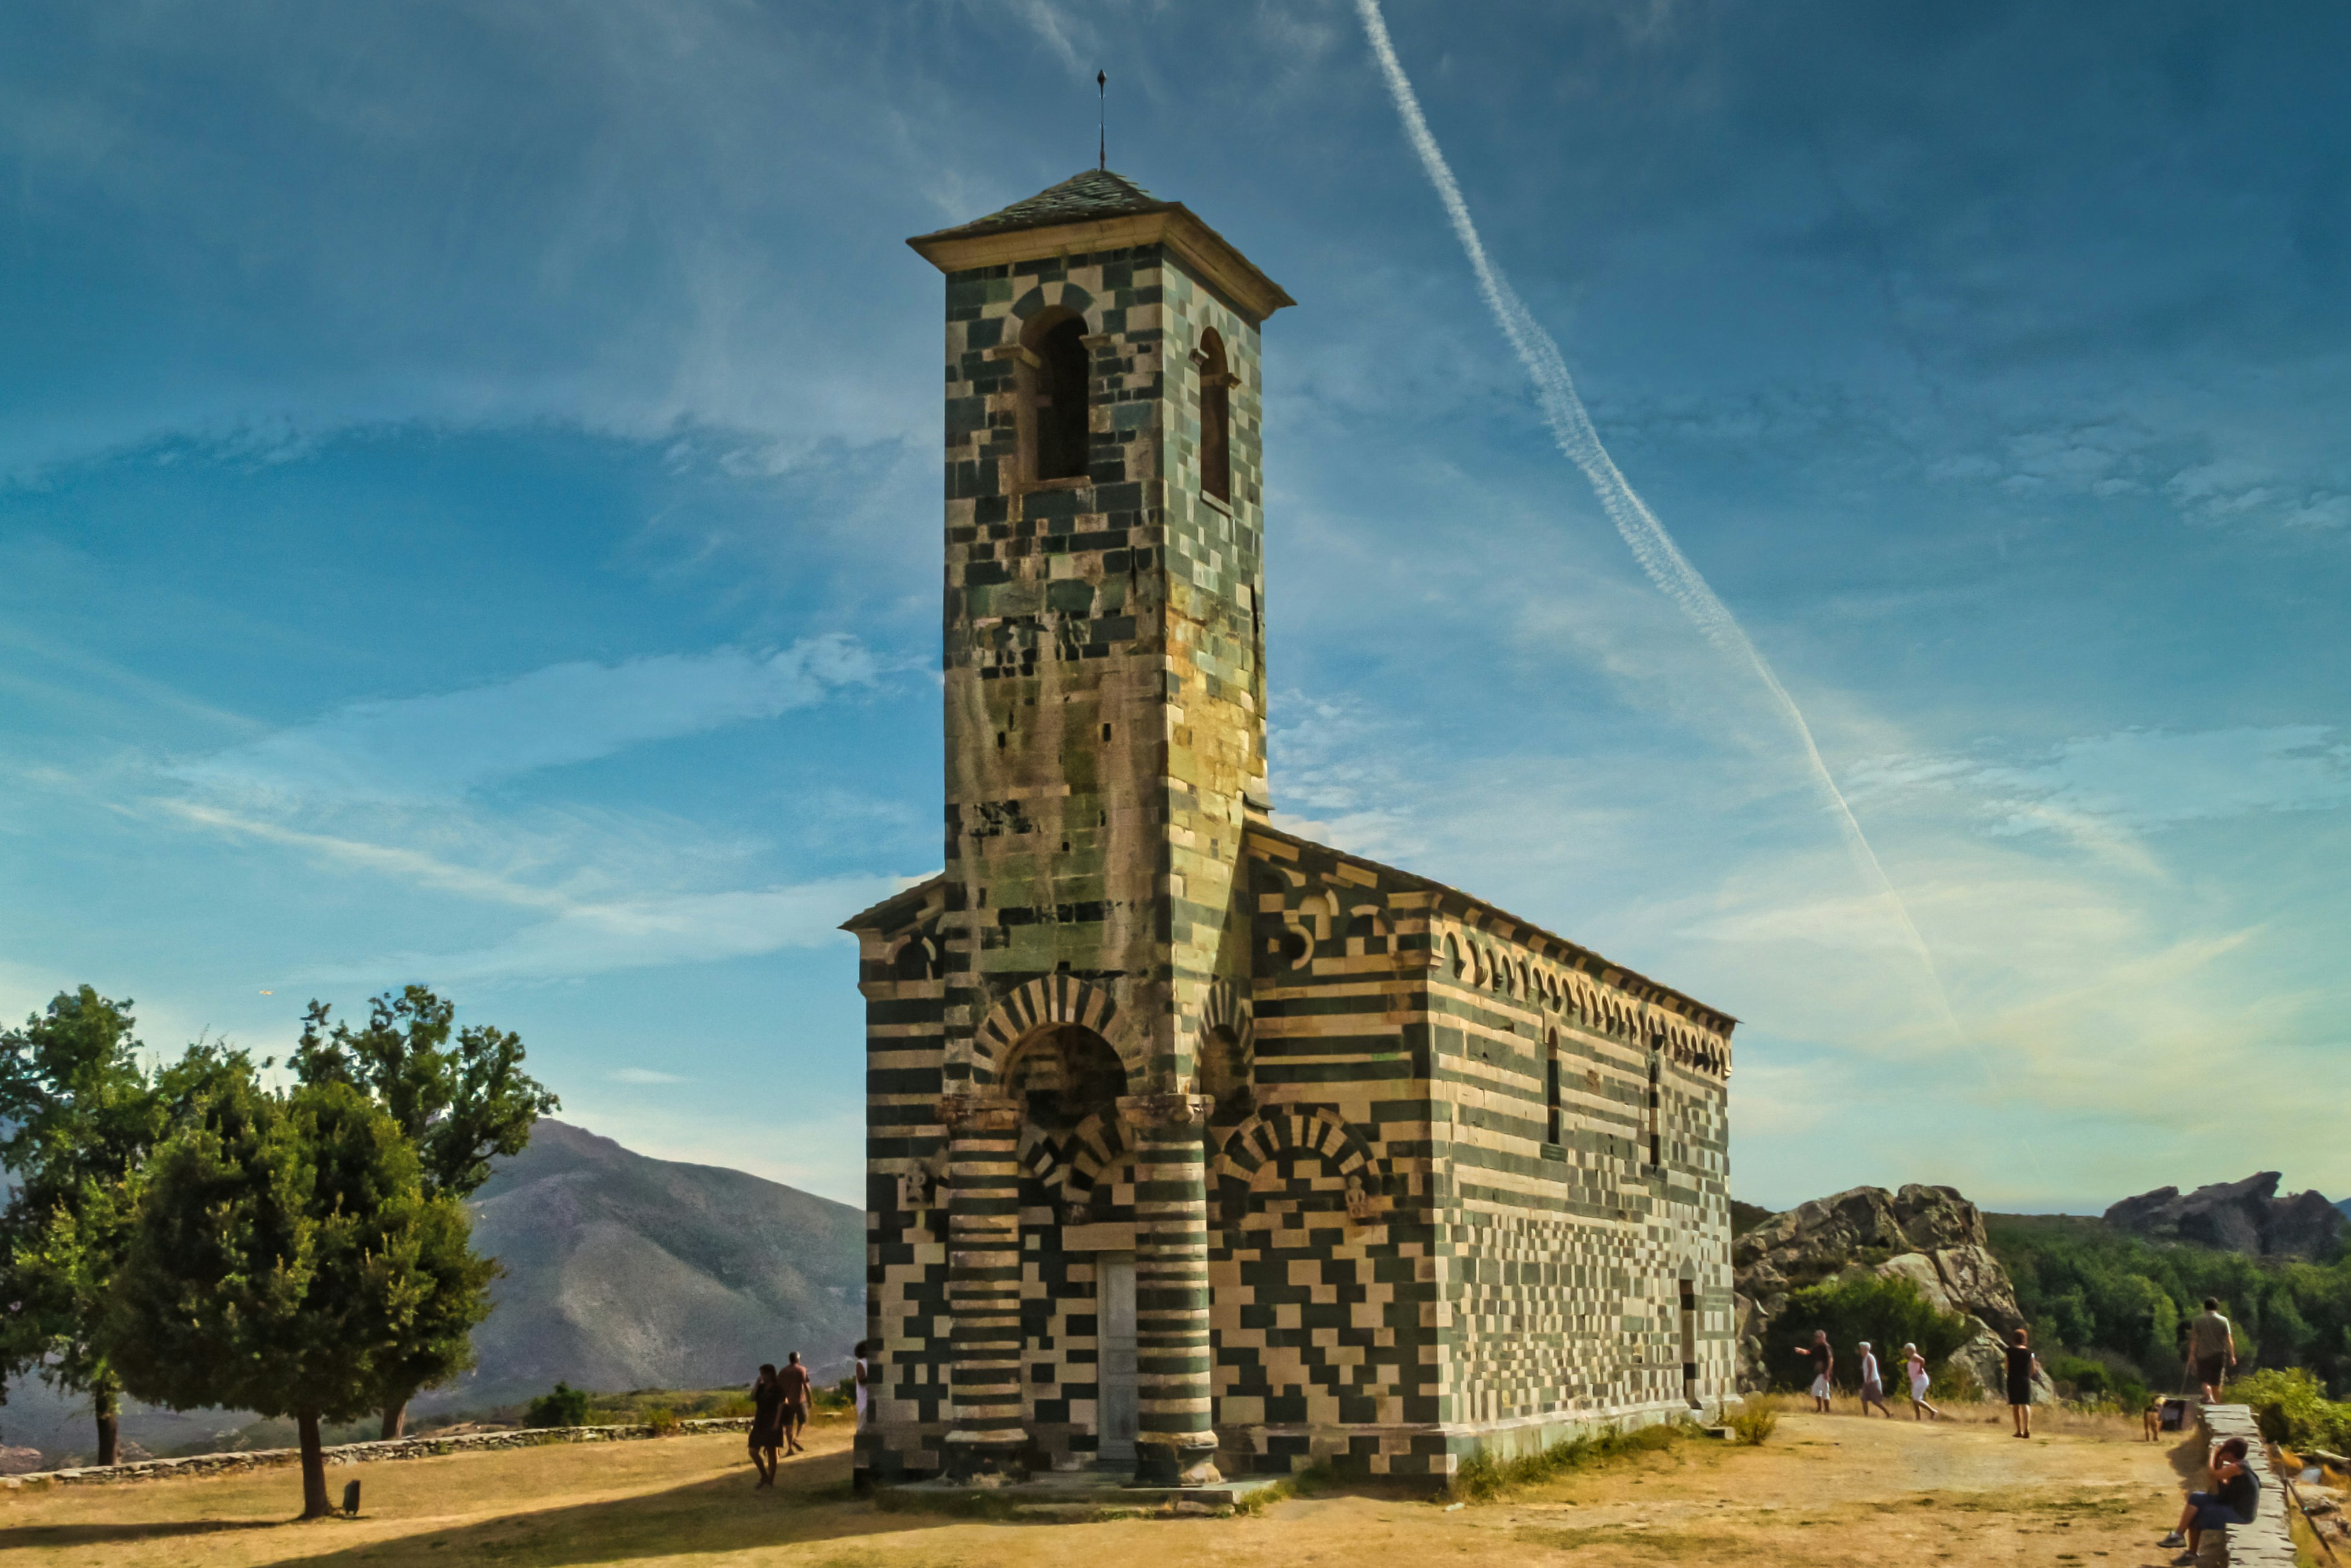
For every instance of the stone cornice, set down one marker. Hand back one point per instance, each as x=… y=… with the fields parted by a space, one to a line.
x=1205 y=252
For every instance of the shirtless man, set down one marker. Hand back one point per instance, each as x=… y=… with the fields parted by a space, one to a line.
x=793 y=1380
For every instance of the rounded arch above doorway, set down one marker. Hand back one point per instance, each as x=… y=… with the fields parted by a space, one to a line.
x=1054 y=998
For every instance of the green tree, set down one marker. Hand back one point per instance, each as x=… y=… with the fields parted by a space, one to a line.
x=284 y=1258
x=563 y=1406
x=1889 y=1312
x=460 y=1101
x=81 y=1117
x=2139 y=1297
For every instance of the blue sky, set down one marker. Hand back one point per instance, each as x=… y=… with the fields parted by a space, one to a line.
x=467 y=512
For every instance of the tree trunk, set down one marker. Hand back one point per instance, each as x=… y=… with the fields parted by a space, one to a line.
x=314 y=1469
x=396 y=1420
x=105 y=1406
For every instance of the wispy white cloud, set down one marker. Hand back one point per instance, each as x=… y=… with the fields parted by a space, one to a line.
x=444 y=745
x=2136 y=780
x=594 y=891
x=591 y=939
x=1051 y=27
x=1335 y=775
x=643 y=1075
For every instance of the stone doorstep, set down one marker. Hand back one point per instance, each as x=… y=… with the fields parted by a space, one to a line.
x=1077 y=1494
x=378 y=1450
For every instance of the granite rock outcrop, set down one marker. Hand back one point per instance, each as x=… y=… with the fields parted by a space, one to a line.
x=1931 y=1236
x=2245 y=1216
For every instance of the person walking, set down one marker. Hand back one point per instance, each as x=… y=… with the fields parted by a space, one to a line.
x=1914 y=1367
x=2021 y=1365
x=794 y=1381
x=1873 y=1383
x=2234 y=1503
x=2212 y=1345
x=1824 y=1363
x=766 y=1423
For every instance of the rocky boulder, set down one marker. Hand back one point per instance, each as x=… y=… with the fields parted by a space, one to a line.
x=2234 y=1216
x=1931 y=1236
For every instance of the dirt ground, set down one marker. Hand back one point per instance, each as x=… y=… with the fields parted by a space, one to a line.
x=1826 y=1491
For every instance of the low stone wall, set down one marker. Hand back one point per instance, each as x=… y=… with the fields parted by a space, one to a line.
x=2268 y=1542
x=387 y=1449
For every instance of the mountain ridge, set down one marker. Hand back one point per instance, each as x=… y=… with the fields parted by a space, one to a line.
x=623 y=1272
x=627 y=1272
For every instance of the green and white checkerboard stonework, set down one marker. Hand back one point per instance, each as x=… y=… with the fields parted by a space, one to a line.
x=1400 y=1176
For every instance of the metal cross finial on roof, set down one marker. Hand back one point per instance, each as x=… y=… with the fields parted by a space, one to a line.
x=1101 y=118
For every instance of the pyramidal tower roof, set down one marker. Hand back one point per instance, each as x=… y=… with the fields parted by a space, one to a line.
x=1091 y=193
x=1096 y=210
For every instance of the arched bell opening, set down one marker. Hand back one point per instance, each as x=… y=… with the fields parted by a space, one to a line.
x=1055 y=384
x=1062 y=1073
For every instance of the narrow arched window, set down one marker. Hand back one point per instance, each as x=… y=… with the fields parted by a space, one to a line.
x=1656 y=1132
x=1059 y=378
x=1550 y=1090
x=1215 y=419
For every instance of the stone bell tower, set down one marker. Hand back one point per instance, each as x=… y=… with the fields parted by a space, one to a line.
x=1105 y=734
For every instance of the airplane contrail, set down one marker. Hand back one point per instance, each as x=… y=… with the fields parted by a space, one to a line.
x=1654 y=548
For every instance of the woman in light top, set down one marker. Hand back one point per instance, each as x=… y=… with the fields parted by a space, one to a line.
x=1914 y=1367
x=1873 y=1383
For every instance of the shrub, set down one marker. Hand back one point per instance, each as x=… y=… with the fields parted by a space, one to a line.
x=1889 y=1312
x=1756 y=1421
x=662 y=1420
x=2294 y=1409
x=564 y=1407
x=1956 y=1384
x=2095 y=1385
x=733 y=1405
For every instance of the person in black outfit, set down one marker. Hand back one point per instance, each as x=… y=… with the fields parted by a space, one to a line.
x=766 y=1423
x=2021 y=1365
x=2234 y=1503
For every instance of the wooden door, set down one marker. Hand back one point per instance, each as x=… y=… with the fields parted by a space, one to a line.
x=1114 y=1407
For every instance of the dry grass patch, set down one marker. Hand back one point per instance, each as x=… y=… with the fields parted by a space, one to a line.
x=1827 y=1493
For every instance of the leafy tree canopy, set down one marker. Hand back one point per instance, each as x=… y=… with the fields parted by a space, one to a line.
x=461 y=1103
x=81 y=1113
x=286 y=1259
x=2092 y=1289
x=564 y=1405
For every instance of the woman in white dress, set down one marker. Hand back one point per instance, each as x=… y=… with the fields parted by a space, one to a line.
x=1915 y=1365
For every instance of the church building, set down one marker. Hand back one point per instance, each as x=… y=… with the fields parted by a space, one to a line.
x=1194 y=1148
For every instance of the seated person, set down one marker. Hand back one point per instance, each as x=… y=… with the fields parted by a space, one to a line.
x=2234 y=1503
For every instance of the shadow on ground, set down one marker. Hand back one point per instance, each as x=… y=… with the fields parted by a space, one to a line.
x=2190 y=1460
x=809 y=1503
x=30 y=1537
